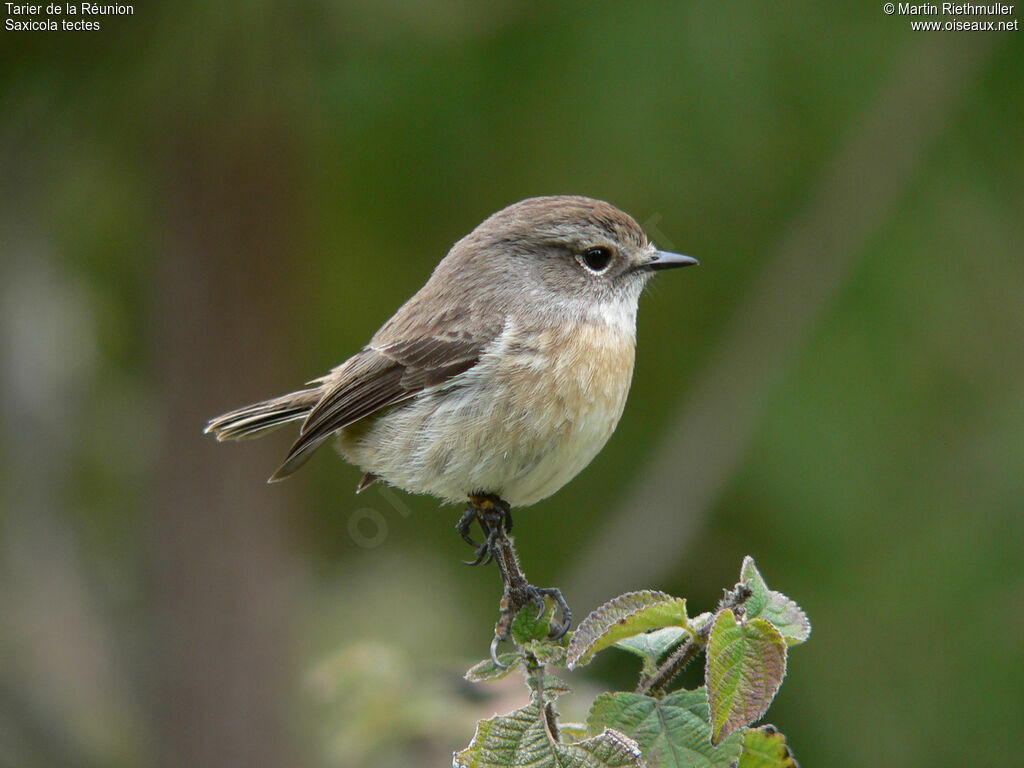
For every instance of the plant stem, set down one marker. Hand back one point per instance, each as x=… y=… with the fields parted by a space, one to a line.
x=693 y=645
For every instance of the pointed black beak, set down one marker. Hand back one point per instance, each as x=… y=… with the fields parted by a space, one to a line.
x=666 y=260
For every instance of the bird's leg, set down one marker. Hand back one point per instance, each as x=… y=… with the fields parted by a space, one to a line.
x=494 y=518
x=483 y=551
x=462 y=527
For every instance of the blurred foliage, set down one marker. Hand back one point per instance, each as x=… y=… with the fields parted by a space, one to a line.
x=884 y=479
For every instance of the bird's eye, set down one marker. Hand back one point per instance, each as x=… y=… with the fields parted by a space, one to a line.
x=596 y=259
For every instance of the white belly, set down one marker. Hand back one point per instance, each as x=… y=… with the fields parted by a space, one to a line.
x=520 y=424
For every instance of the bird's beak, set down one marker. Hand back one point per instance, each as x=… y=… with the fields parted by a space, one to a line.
x=666 y=260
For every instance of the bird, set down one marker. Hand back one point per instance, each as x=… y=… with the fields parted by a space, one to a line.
x=496 y=383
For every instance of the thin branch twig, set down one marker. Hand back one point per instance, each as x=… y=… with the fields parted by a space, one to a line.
x=688 y=651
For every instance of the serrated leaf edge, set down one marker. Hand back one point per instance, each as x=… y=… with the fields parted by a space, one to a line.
x=751 y=576
x=580 y=656
x=718 y=733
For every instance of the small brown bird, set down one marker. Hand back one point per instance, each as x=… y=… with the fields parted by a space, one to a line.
x=497 y=382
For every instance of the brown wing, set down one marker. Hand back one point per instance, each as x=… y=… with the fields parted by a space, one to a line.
x=379 y=377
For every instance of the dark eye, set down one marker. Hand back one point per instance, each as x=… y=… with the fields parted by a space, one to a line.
x=596 y=259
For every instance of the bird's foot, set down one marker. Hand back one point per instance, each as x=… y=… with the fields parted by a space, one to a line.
x=495 y=518
x=515 y=600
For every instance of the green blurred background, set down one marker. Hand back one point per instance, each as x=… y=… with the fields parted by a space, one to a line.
x=205 y=204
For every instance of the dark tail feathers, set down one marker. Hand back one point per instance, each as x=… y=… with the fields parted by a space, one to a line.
x=253 y=420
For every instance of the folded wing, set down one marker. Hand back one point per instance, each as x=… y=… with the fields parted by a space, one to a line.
x=379 y=377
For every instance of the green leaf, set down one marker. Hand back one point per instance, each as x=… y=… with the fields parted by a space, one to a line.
x=672 y=732
x=624 y=616
x=487 y=670
x=547 y=651
x=780 y=610
x=506 y=740
x=765 y=747
x=654 y=644
x=553 y=687
x=745 y=666
x=527 y=625
x=520 y=739
x=609 y=749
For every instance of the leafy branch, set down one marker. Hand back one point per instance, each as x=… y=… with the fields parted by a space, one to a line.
x=745 y=642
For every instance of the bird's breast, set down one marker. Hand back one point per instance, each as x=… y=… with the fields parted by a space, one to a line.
x=557 y=395
x=521 y=423
x=574 y=374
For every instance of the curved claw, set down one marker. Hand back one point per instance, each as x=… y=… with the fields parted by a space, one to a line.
x=462 y=527
x=559 y=633
x=483 y=556
x=542 y=606
x=494 y=653
x=563 y=607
